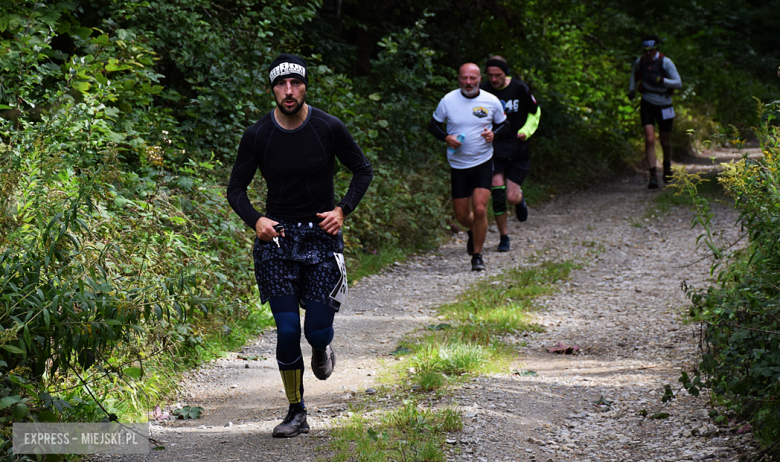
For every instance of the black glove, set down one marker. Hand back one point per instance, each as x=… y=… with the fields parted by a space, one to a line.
x=631 y=95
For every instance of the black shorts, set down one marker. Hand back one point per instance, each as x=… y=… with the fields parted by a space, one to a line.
x=650 y=113
x=464 y=180
x=516 y=170
x=304 y=265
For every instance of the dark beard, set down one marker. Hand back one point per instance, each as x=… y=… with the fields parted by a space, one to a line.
x=293 y=111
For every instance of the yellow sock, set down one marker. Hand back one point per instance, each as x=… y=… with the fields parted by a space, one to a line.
x=293 y=385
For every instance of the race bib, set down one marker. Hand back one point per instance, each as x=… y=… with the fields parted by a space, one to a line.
x=667 y=113
x=339 y=293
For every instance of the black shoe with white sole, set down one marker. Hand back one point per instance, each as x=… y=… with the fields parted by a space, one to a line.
x=292 y=425
x=476 y=263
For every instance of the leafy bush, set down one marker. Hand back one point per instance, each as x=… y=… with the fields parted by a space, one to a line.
x=214 y=60
x=741 y=313
x=101 y=266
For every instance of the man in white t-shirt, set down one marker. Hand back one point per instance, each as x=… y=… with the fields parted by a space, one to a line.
x=471 y=116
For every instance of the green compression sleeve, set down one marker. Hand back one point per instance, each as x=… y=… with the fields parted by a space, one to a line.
x=531 y=123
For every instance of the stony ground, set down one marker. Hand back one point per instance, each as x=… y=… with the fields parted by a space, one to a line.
x=622 y=308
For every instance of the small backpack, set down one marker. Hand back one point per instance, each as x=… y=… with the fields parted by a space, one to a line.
x=659 y=63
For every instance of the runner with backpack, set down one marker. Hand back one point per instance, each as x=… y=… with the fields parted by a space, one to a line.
x=655 y=77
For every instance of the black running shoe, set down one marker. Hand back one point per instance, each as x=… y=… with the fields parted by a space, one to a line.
x=476 y=263
x=323 y=362
x=470 y=243
x=653 y=183
x=521 y=210
x=503 y=246
x=292 y=425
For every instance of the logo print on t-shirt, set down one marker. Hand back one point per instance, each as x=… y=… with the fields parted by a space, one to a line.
x=480 y=112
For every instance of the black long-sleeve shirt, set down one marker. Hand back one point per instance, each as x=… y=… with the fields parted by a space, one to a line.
x=518 y=102
x=298 y=167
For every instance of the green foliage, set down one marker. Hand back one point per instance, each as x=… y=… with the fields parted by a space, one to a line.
x=409 y=433
x=214 y=58
x=188 y=412
x=500 y=304
x=411 y=417
x=741 y=363
x=433 y=362
x=101 y=267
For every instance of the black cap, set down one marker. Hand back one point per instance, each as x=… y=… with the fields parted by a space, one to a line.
x=497 y=63
x=288 y=66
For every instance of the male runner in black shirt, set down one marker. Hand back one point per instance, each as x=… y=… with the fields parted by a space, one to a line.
x=511 y=156
x=300 y=263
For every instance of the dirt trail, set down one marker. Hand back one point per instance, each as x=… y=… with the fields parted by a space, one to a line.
x=621 y=308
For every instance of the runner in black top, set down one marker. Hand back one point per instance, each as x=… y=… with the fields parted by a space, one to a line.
x=511 y=153
x=300 y=264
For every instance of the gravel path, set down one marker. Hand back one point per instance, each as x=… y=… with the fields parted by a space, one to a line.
x=622 y=308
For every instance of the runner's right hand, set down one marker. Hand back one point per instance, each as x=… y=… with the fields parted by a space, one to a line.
x=265 y=229
x=452 y=141
x=631 y=95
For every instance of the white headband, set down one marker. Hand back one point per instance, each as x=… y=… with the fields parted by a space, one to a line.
x=287 y=68
x=649 y=44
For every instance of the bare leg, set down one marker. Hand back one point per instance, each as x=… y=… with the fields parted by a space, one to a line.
x=650 y=146
x=471 y=212
x=480 y=199
x=514 y=194
x=463 y=212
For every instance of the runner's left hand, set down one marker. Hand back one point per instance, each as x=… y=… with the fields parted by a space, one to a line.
x=332 y=221
x=487 y=135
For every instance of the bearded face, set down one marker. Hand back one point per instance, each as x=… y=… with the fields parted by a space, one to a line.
x=290 y=95
x=468 y=79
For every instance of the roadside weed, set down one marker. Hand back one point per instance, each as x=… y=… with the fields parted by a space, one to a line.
x=459 y=358
x=670 y=197
x=499 y=304
x=433 y=363
x=429 y=380
x=411 y=433
x=415 y=418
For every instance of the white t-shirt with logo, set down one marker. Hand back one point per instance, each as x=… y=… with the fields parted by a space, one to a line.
x=470 y=116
